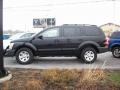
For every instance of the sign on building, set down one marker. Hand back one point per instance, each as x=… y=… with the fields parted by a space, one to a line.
x=44 y=22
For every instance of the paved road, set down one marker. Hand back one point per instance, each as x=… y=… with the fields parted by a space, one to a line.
x=104 y=61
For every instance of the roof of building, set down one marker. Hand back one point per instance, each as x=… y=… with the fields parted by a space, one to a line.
x=110 y=24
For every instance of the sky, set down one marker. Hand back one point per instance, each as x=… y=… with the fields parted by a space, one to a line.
x=19 y=14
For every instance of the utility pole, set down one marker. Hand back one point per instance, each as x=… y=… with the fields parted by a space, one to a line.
x=3 y=72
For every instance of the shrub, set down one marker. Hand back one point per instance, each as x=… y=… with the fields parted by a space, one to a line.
x=60 y=78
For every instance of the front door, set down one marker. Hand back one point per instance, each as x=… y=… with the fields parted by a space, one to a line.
x=49 y=43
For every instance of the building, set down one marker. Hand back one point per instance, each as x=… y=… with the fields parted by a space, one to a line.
x=109 y=28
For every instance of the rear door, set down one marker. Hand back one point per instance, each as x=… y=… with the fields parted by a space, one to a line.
x=72 y=38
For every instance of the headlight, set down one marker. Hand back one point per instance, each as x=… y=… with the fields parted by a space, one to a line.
x=11 y=46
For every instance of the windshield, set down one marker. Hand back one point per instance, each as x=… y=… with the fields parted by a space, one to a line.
x=21 y=35
x=16 y=36
x=26 y=35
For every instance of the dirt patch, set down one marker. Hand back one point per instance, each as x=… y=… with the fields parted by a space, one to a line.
x=29 y=79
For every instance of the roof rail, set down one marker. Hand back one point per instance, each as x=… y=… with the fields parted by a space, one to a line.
x=78 y=25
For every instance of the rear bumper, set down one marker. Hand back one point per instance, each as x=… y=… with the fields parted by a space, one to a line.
x=102 y=49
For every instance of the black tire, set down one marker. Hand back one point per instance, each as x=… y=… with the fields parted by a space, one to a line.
x=114 y=52
x=93 y=55
x=29 y=53
x=78 y=57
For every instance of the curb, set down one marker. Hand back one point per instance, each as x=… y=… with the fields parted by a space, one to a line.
x=6 y=78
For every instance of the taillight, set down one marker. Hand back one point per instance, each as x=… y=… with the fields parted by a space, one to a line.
x=107 y=40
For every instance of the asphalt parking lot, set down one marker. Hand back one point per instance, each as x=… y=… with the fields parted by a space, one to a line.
x=104 y=61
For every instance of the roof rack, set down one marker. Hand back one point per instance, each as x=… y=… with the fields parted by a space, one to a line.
x=78 y=25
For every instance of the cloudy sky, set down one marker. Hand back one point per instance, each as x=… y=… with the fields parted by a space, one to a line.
x=19 y=14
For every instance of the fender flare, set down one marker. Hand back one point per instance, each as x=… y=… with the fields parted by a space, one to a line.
x=115 y=44
x=31 y=46
x=89 y=43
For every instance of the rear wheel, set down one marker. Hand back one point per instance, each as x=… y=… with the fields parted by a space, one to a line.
x=88 y=55
x=79 y=58
x=24 y=56
x=116 y=52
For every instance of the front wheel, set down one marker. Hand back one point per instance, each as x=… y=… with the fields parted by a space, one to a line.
x=116 y=52
x=88 y=55
x=24 y=56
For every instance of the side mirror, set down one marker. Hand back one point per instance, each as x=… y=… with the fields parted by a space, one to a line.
x=40 y=37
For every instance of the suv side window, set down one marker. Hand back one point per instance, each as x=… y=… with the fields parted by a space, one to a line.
x=71 y=32
x=54 y=32
x=92 y=31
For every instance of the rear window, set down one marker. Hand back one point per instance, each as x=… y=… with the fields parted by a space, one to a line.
x=92 y=31
x=115 y=35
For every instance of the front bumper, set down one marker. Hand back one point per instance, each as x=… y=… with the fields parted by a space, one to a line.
x=102 y=49
x=9 y=53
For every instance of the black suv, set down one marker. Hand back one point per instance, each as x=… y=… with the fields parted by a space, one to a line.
x=83 y=41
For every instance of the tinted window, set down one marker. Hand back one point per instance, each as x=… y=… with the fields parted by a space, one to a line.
x=72 y=31
x=54 y=32
x=92 y=31
x=115 y=35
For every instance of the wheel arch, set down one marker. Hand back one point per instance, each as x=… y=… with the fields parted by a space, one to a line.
x=89 y=44
x=27 y=45
x=115 y=45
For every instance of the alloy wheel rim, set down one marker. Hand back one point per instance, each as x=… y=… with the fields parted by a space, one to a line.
x=89 y=55
x=24 y=56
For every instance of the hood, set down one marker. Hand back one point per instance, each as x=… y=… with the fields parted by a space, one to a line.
x=23 y=40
